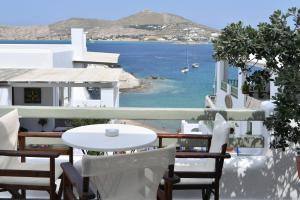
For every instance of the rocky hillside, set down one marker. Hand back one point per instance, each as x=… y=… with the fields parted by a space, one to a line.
x=145 y=25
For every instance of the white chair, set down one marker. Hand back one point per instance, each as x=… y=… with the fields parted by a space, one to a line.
x=120 y=177
x=203 y=170
x=40 y=174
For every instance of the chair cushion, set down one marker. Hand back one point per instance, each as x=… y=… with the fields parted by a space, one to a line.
x=194 y=164
x=220 y=134
x=196 y=181
x=9 y=127
x=32 y=164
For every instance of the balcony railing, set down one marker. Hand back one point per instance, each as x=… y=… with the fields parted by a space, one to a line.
x=224 y=86
x=233 y=82
x=134 y=113
x=234 y=91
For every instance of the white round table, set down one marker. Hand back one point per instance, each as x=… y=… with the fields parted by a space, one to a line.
x=93 y=138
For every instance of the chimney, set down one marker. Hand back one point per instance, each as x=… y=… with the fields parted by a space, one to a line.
x=78 y=40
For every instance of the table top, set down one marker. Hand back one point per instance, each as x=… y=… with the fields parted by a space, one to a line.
x=93 y=138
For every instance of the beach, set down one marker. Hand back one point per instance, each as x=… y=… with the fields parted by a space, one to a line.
x=143 y=124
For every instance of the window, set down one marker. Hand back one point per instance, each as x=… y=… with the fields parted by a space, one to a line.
x=94 y=93
x=249 y=128
x=32 y=95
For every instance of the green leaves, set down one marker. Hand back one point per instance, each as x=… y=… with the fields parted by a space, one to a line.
x=278 y=42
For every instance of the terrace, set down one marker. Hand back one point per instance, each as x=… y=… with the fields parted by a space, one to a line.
x=257 y=174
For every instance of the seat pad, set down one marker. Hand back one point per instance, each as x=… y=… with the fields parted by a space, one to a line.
x=195 y=165
x=42 y=164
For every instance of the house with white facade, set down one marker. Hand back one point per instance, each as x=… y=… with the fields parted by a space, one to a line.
x=228 y=94
x=58 y=75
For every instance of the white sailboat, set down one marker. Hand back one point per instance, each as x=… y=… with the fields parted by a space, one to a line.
x=186 y=68
x=195 y=65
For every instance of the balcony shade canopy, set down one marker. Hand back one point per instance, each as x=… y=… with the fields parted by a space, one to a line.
x=98 y=58
x=59 y=77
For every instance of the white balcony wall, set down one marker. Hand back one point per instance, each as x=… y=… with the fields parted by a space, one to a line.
x=107 y=97
x=18 y=58
x=5 y=96
x=62 y=59
x=116 y=96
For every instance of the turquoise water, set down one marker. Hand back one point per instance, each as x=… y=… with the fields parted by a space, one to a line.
x=164 y=60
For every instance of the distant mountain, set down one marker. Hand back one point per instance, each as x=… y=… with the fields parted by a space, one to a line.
x=145 y=25
x=79 y=23
x=150 y=17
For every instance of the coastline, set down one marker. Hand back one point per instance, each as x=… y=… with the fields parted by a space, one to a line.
x=143 y=124
x=144 y=86
x=162 y=41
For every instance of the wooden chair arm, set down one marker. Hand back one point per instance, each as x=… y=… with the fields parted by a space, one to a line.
x=161 y=136
x=184 y=136
x=75 y=179
x=29 y=153
x=25 y=173
x=22 y=143
x=41 y=134
x=201 y=155
x=173 y=180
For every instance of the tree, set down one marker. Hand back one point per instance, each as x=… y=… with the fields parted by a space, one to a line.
x=278 y=43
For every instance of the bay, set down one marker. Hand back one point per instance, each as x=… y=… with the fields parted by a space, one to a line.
x=164 y=60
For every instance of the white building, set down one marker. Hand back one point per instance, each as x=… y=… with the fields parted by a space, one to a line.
x=57 y=75
x=228 y=94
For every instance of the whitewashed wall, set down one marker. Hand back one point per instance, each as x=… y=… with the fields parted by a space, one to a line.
x=107 y=97
x=63 y=59
x=78 y=38
x=25 y=59
x=5 y=96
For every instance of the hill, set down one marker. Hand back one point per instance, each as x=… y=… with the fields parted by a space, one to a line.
x=145 y=25
x=150 y=17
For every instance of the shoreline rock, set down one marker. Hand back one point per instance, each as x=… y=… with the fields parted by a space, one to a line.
x=128 y=81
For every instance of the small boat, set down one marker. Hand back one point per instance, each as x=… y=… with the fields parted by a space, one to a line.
x=185 y=70
x=195 y=65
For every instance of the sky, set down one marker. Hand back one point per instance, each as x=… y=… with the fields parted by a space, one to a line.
x=213 y=13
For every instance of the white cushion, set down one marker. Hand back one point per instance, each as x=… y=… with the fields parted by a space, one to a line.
x=220 y=134
x=194 y=164
x=32 y=164
x=9 y=127
x=195 y=181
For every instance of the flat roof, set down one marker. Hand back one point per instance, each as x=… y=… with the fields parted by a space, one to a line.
x=100 y=58
x=35 y=47
x=59 y=76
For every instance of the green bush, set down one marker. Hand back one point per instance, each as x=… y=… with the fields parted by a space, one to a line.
x=278 y=42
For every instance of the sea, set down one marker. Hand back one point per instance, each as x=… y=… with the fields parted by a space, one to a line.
x=164 y=60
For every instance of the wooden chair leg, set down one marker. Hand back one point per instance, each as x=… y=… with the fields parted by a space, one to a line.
x=204 y=194
x=217 y=191
x=52 y=194
x=168 y=191
x=23 y=194
x=15 y=194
